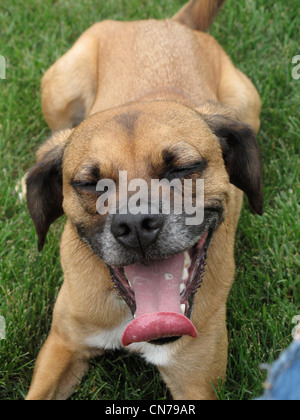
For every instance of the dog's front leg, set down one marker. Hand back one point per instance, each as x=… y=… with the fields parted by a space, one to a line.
x=58 y=370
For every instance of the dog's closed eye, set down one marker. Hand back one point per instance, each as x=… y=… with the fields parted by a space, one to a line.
x=85 y=186
x=174 y=168
x=186 y=170
x=86 y=179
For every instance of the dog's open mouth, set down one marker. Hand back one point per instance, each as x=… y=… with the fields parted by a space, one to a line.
x=160 y=295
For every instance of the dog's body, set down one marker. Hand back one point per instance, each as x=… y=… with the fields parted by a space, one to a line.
x=142 y=88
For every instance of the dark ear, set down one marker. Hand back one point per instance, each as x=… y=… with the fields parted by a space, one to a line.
x=241 y=155
x=44 y=185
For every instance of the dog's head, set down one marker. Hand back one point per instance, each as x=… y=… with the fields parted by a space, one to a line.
x=156 y=251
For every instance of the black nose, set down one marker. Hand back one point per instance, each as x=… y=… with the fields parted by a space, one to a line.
x=137 y=231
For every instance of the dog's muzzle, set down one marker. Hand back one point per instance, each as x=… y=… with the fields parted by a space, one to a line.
x=159 y=293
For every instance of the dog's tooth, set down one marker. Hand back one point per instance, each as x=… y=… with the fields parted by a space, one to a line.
x=128 y=281
x=182 y=288
x=187 y=260
x=185 y=274
x=183 y=307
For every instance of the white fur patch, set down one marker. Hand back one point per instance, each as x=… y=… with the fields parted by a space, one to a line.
x=111 y=340
x=156 y=355
x=108 y=339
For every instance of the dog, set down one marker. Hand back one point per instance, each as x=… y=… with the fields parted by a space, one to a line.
x=155 y=100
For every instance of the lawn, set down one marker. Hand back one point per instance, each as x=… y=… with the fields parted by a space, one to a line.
x=262 y=37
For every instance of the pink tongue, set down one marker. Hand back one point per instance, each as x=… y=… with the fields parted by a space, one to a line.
x=157 y=294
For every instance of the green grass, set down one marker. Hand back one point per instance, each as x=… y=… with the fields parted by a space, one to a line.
x=261 y=37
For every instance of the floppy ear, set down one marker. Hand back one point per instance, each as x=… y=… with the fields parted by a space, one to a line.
x=241 y=155
x=44 y=185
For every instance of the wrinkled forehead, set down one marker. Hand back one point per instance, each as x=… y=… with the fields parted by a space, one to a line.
x=134 y=137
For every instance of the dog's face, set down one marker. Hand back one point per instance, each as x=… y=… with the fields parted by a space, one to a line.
x=146 y=143
x=149 y=141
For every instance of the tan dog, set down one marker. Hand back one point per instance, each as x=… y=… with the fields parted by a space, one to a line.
x=157 y=99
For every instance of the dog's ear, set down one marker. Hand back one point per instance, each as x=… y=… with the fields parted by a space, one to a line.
x=44 y=185
x=241 y=155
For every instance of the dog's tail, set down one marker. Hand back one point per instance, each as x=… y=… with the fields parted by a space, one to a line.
x=199 y=14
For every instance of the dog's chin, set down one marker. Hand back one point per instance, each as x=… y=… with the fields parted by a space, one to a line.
x=160 y=294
